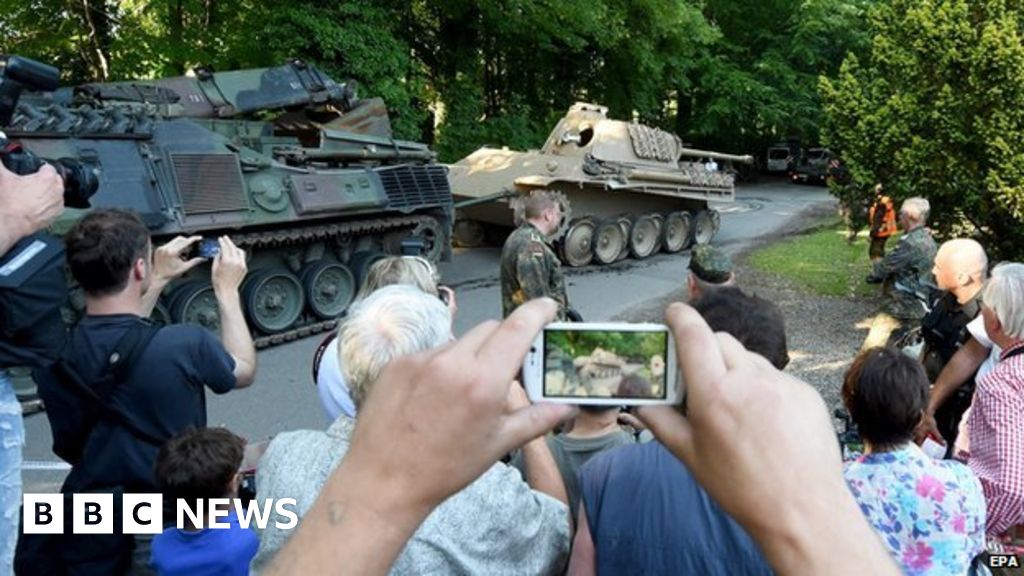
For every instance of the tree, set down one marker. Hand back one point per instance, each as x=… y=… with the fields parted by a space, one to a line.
x=934 y=110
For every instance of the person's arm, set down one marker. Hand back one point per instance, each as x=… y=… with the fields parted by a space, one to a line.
x=168 y=265
x=583 y=561
x=28 y=203
x=533 y=273
x=433 y=423
x=541 y=469
x=961 y=366
x=228 y=271
x=761 y=443
x=894 y=261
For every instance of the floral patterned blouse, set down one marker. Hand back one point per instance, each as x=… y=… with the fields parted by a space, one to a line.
x=930 y=513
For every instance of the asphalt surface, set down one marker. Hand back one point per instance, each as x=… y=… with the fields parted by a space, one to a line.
x=284 y=398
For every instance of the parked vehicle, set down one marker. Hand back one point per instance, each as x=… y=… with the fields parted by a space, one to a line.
x=779 y=159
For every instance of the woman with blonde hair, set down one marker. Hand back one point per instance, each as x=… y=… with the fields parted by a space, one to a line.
x=417 y=271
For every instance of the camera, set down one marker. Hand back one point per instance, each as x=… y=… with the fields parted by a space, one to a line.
x=603 y=364
x=81 y=179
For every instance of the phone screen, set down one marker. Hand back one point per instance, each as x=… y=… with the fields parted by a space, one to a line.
x=605 y=364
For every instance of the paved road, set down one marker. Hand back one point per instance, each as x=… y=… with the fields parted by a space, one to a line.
x=283 y=397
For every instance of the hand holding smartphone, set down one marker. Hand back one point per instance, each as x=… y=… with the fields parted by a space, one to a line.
x=609 y=364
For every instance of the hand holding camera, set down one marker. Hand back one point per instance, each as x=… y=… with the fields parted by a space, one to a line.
x=171 y=260
x=228 y=267
x=29 y=203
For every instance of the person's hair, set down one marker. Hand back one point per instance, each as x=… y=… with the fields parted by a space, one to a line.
x=537 y=202
x=103 y=247
x=1004 y=294
x=412 y=270
x=886 y=392
x=755 y=322
x=199 y=463
x=392 y=322
x=917 y=208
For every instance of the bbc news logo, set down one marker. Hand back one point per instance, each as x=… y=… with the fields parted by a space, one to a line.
x=95 y=513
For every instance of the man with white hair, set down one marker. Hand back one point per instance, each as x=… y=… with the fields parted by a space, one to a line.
x=905 y=274
x=499 y=524
x=996 y=420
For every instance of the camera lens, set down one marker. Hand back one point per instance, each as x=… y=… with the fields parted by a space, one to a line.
x=81 y=180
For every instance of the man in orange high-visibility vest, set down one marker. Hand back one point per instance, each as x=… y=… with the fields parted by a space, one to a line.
x=882 y=221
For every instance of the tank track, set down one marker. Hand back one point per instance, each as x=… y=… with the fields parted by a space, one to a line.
x=282 y=238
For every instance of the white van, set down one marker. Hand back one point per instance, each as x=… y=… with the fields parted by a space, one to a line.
x=778 y=159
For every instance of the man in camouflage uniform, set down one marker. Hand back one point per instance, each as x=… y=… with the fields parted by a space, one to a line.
x=529 y=267
x=906 y=274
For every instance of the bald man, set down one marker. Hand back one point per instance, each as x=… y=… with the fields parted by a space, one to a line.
x=960 y=270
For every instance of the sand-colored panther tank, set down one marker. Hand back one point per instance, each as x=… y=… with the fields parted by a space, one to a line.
x=629 y=189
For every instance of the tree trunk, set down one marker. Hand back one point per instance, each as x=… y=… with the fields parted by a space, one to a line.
x=97 y=26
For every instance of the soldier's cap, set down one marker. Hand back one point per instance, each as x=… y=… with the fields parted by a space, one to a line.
x=710 y=264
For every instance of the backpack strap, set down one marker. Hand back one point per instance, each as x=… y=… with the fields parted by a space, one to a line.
x=124 y=356
x=319 y=354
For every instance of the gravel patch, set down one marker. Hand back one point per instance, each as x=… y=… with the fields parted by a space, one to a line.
x=823 y=332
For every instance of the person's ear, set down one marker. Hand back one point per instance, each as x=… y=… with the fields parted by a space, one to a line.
x=234 y=484
x=139 y=270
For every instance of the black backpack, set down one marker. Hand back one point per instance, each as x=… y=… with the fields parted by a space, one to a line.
x=74 y=408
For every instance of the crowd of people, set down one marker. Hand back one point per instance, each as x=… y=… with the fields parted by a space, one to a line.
x=433 y=459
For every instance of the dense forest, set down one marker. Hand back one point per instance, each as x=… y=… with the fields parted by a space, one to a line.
x=460 y=73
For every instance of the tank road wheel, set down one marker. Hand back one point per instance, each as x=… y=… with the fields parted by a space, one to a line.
x=609 y=241
x=195 y=303
x=703 y=227
x=643 y=239
x=675 y=235
x=273 y=299
x=659 y=219
x=429 y=232
x=577 y=246
x=626 y=225
x=330 y=288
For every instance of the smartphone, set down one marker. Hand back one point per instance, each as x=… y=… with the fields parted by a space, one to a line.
x=206 y=248
x=610 y=364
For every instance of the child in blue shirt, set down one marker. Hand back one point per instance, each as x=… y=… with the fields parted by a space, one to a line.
x=199 y=465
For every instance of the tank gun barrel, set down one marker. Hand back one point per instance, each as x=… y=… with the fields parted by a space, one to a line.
x=696 y=153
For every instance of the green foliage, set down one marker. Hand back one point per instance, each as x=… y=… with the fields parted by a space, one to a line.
x=636 y=347
x=822 y=261
x=934 y=110
x=463 y=73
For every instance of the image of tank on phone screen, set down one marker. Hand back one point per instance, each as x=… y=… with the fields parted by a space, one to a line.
x=609 y=364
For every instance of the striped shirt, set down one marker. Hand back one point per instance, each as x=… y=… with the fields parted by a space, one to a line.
x=996 y=428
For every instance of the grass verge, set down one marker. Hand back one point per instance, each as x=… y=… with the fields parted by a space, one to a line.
x=820 y=260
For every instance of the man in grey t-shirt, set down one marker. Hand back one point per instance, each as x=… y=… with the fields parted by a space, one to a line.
x=595 y=429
